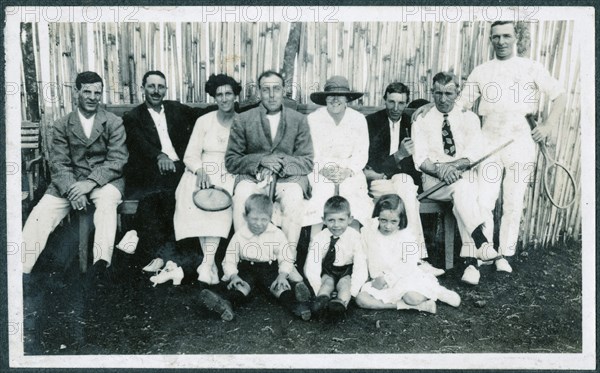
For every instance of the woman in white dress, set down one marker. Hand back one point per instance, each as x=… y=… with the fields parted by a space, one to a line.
x=205 y=166
x=341 y=145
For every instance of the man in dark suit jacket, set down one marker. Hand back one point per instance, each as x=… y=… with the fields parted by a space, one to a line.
x=158 y=132
x=87 y=158
x=390 y=168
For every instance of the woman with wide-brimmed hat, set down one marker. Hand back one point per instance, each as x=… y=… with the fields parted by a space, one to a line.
x=341 y=145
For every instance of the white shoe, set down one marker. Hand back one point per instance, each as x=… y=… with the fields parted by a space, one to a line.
x=154 y=266
x=486 y=252
x=129 y=242
x=502 y=265
x=471 y=275
x=428 y=268
x=208 y=273
x=427 y=306
x=449 y=297
x=170 y=272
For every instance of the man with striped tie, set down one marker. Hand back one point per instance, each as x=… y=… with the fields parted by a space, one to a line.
x=447 y=140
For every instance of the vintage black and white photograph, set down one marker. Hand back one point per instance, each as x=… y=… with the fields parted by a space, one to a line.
x=351 y=187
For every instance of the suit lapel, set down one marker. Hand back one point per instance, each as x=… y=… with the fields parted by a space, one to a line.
x=264 y=121
x=386 y=138
x=169 y=116
x=150 y=126
x=280 y=129
x=76 y=127
x=98 y=127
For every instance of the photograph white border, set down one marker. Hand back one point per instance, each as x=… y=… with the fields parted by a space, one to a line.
x=584 y=33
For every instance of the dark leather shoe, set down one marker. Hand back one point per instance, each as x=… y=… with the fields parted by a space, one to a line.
x=215 y=303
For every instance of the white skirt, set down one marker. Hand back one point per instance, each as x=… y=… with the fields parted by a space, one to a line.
x=190 y=221
x=417 y=281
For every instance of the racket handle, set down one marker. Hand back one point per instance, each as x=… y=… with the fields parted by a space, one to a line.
x=272 y=187
x=531 y=121
x=336 y=191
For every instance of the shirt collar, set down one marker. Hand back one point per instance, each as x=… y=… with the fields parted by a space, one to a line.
x=246 y=234
x=153 y=112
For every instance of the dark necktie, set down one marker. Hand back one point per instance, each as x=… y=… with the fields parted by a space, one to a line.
x=330 y=256
x=447 y=138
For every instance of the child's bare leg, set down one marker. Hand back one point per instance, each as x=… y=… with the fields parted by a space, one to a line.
x=366 y=300
x=417 y=301
x=343 y=290
x=412 y=298
x=327 y=286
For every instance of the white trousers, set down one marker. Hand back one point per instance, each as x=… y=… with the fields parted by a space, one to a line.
x=404 y=186
x=512 y=169
x=290 y=198
x=49 y=212
x=468 y=210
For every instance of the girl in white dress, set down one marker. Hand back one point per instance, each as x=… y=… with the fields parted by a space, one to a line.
x=205 y=166
x=391 y=260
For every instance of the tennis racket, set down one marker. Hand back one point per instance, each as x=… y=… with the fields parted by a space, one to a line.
x=213 y=198
x=442 y=184
x=553 y=171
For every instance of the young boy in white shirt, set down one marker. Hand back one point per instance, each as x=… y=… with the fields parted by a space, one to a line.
x=330 y=259
x=259 y=254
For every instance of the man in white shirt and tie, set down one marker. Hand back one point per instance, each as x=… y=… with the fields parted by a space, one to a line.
x=447 y=140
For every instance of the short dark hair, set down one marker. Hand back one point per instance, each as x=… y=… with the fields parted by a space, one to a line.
x=153 y=72
x=87 y=77
x=336 y=204
x=269 y=73
x=216 y=81
x=397 y=87
x=259 y=202
x=445 y=78
x=500 y=23
x=391 y=202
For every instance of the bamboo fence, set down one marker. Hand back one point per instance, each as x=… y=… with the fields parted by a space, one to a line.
x=369 y=54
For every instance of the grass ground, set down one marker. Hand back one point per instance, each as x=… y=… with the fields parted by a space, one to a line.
x=535 y=309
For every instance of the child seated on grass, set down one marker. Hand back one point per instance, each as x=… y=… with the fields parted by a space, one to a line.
x=259 y=255
x=391 y=257
x=330 y=258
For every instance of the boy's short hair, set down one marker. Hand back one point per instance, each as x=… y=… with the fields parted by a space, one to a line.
x=87 y=77
x=259 y=202
x=391 y=202
x=336 y=204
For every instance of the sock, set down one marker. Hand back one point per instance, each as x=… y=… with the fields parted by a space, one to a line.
x=470 y=261
x=287 y=297
x=478 y=236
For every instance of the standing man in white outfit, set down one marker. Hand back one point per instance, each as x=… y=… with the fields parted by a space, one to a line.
x=509 y=87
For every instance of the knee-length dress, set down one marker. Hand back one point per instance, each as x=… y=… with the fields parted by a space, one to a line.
x=206 y=150
x=395 y=257
x=346 y=145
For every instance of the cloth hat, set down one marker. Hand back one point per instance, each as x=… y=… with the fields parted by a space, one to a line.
x=335 y=86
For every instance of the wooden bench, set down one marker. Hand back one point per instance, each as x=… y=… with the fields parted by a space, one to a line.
x=129 y=206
